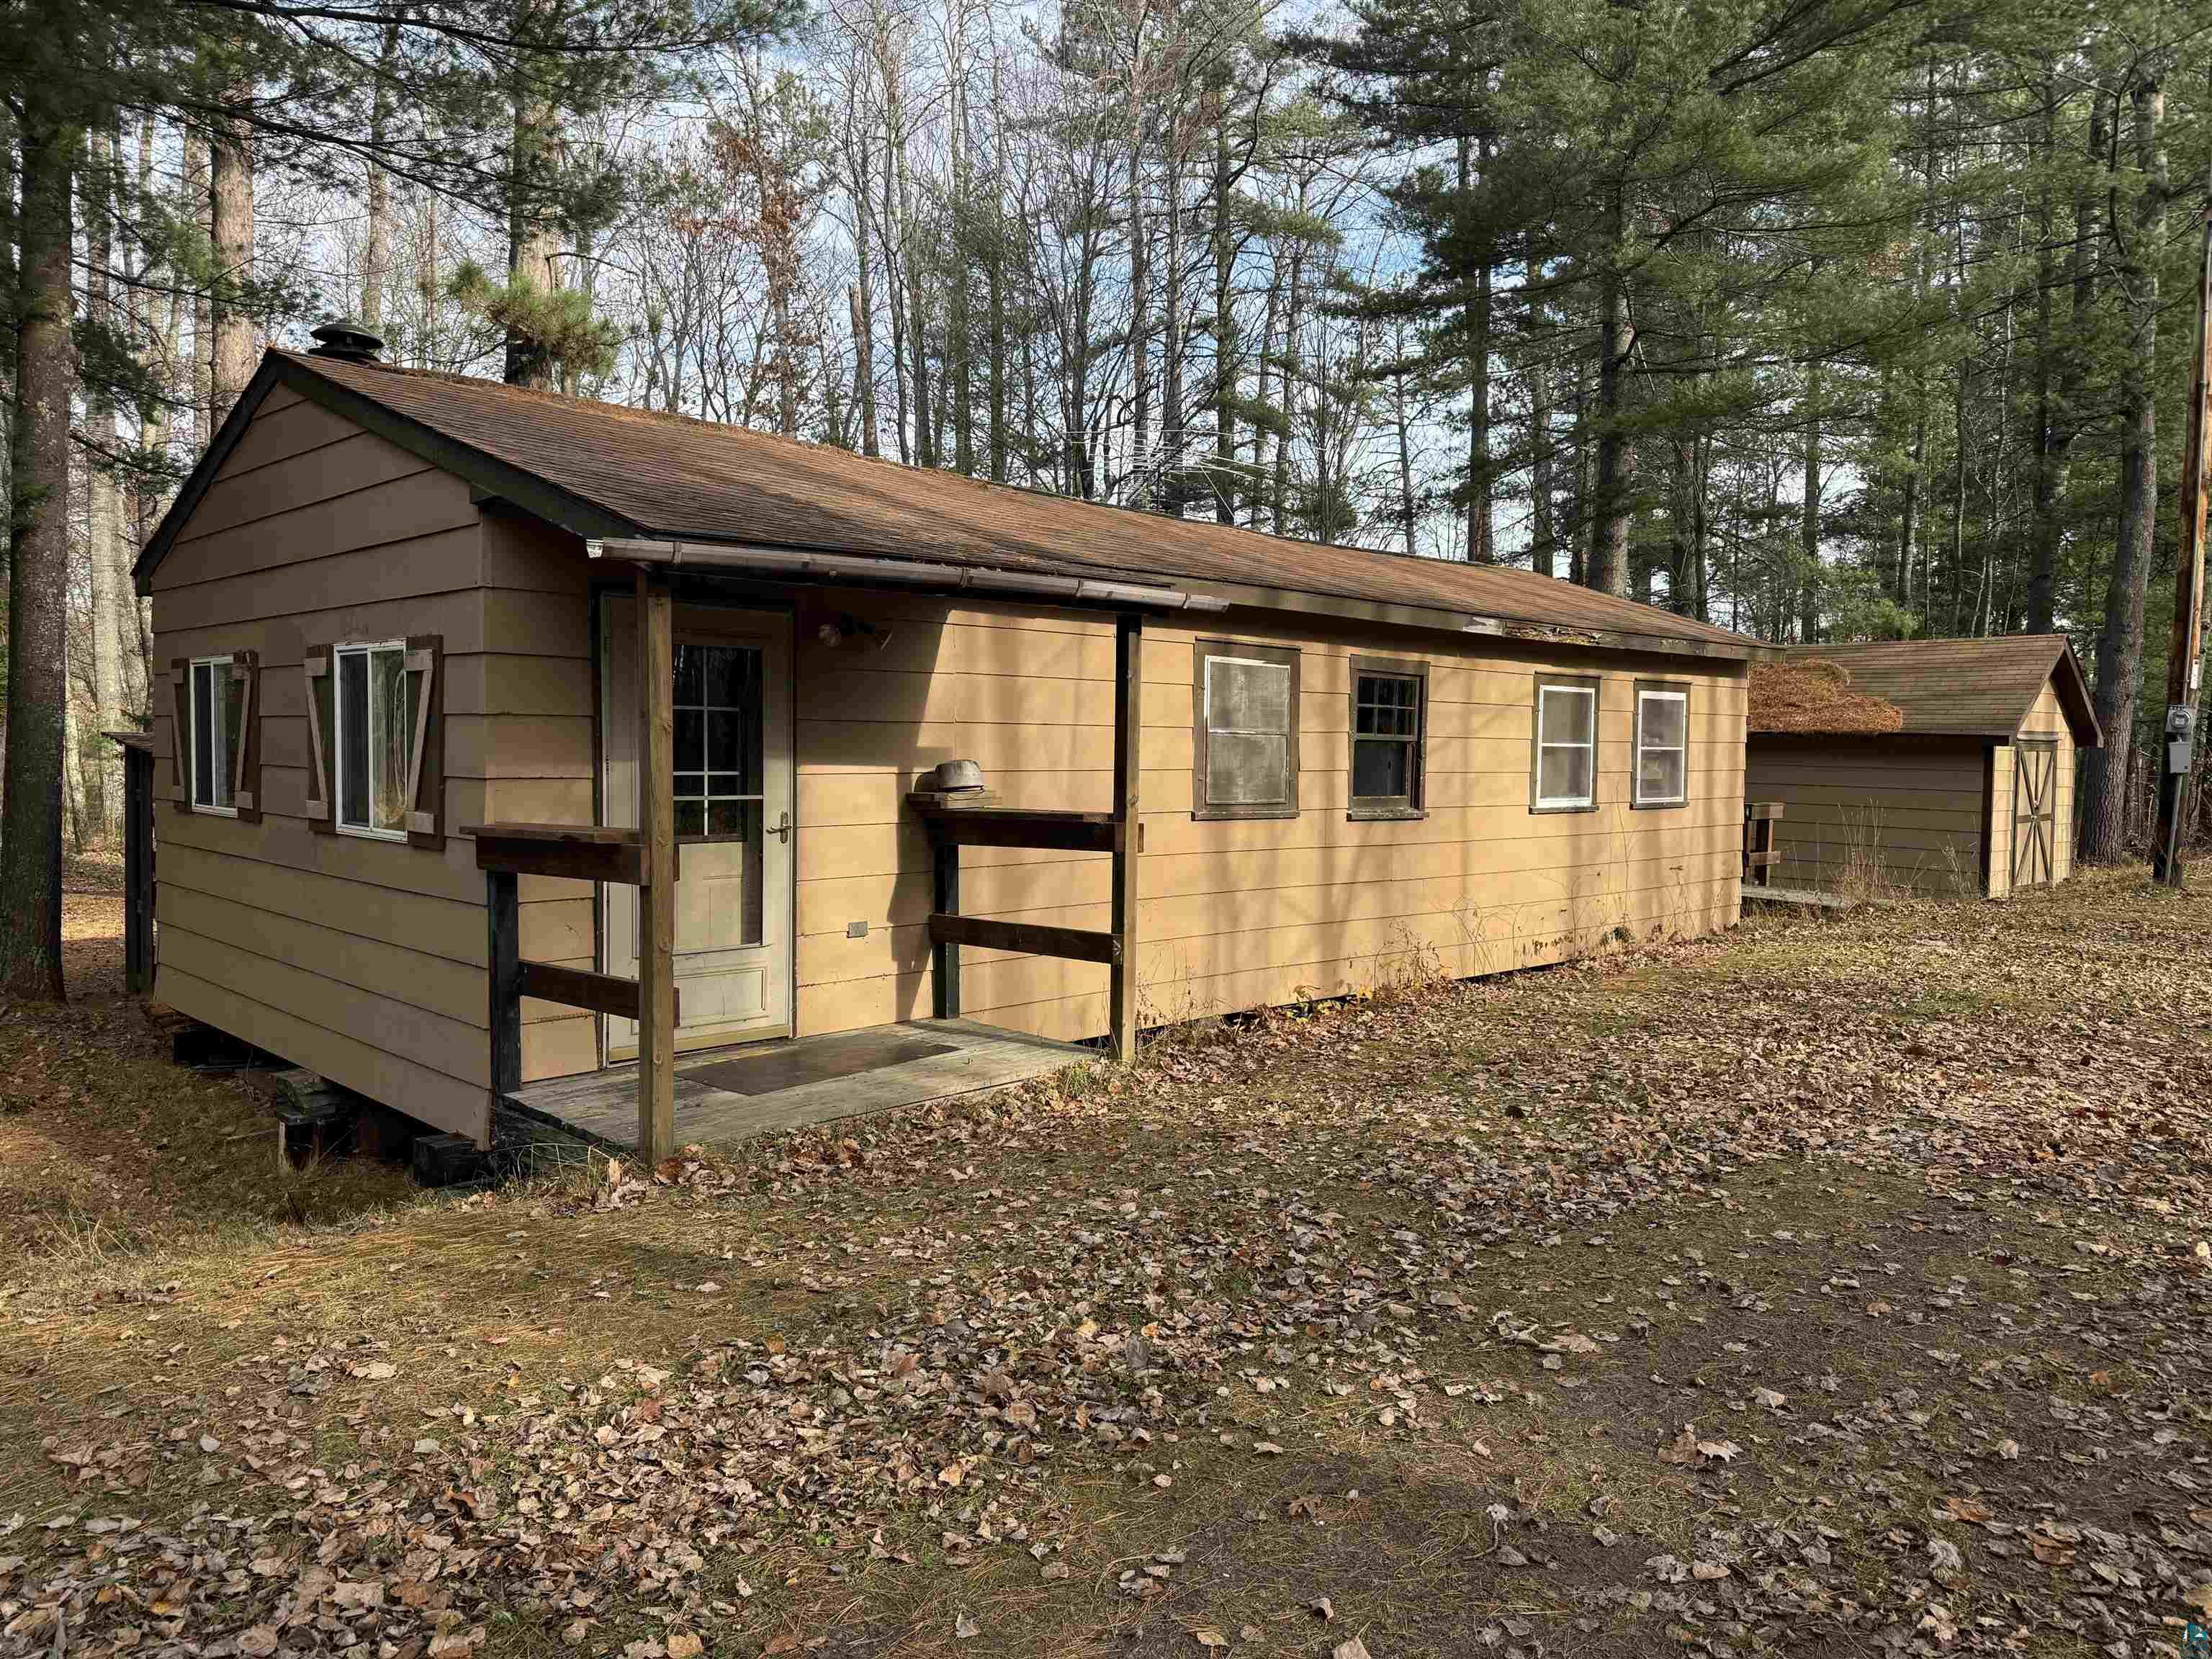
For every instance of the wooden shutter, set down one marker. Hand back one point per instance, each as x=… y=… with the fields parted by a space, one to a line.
x=180 y=733
x=322 y=741
x=426 y=767
x=246 y=753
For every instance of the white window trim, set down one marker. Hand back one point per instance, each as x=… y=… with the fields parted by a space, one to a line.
x=1654 y=694
x=192 y=744
x=338 y=652
x=1546 y=802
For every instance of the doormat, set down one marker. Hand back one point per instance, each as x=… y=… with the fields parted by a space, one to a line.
x=818 y=1061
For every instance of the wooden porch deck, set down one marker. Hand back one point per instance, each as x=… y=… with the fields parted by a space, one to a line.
x=730 y=1094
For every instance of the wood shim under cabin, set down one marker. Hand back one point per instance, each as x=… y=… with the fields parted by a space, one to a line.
x=1941 y=767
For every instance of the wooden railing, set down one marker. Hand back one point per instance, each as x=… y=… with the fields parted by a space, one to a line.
x=1760 y=856
x=952 y=826
x=507 y=852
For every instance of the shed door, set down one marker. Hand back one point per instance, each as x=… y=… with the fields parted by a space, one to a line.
x=734 y=800
x=2034 y=811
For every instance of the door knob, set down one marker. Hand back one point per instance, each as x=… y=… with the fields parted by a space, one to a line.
x=782 y=828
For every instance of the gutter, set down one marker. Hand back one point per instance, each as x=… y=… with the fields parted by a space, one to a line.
x=907 y=573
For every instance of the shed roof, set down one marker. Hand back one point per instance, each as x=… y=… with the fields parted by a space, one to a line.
x=1814 y=695
x=609 y=472
x=1962 y=688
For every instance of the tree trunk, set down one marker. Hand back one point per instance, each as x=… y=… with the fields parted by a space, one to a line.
x=1225 y=351
x=1141 y=329
x=1543 y=535
x=2119 y=643
x=230 y=195
x=198 y=188
x=1402 y=419
x=1809 y=529
x=2059 y=420
x=105 y=532
x=376 y=255
x=38 y=571
x=995 y=275
x=532 y=246
x=1616 y=454
x=1476 y=287
x=1171 y=391
x=960 y=342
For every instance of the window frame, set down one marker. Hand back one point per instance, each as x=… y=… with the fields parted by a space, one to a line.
x=1677 y=688
x=232 y=755
x=368 y=648
x=1383 y=809
x=1280 y=656
x=1591 y=685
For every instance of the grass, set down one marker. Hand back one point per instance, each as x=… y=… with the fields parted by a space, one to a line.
x=1922 y=1172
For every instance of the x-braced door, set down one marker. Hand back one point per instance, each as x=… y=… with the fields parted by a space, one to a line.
x=2034 y=812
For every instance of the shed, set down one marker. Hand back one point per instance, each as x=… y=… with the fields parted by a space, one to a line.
x=1940 y=767
x=524 y=751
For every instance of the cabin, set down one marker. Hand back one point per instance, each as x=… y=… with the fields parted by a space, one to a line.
x=1942 y=768
x=519 y=753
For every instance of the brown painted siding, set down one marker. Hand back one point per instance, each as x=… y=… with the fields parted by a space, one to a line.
x=364 y=960
x=1232 y=915
x=1906 y=812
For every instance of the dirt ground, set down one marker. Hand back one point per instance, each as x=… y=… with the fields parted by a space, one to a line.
x=1831 y=1287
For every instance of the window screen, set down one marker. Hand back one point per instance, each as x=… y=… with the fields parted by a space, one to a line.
x=1663 y=747
x=1247 y=731
x=1566 y=746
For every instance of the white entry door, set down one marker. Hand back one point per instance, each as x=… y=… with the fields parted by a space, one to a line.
x=733 y=799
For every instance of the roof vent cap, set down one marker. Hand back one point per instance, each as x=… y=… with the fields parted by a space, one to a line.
x=349 y=339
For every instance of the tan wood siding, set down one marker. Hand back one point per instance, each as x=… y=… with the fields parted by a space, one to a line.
x=1232 y=913
x=2002 y=780
x=1865 y=813
x=363 y=959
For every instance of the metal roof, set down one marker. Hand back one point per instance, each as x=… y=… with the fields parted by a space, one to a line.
x=607 y=473
x=1965 y=688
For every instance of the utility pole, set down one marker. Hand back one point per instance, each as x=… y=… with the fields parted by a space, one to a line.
x=2184 y=666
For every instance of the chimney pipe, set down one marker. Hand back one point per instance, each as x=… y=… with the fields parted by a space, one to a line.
x=346 y=339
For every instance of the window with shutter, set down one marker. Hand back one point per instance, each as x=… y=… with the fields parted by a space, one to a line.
x=1245 y=730
x=377 y=731
x=218 y=747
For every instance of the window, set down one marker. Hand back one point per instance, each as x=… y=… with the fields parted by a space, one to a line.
x=376 y=739
x=1389 y=716
x=217 y=751
x=1245 y=763
x=720 y=764
x=1565 y=761
x=1663 y=746
x=218 y=726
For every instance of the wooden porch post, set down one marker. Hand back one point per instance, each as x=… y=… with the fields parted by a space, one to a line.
x=656 y=899
x=1128 y=725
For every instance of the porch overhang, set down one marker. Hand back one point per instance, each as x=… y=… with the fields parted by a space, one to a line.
x=801 y=564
